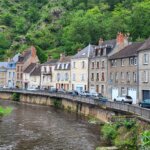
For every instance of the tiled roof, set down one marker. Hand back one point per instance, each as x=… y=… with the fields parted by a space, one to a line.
x=65 y=59
x=36 y=71
x=85 y=53
x=109 y=43
x=146 y=45
x=128 y=51
x=29 y=68
x=51 y=62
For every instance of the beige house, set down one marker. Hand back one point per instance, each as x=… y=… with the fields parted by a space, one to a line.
x=63 y=73
x=80 y=69
x=144 y=70
x=47 y=74
x=122 y=73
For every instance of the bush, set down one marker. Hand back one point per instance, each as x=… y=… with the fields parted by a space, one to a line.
x=109 y=132
x=57 y=103
x=129 y=124
x=5 y=111
x=145 y=138
x=16 y=97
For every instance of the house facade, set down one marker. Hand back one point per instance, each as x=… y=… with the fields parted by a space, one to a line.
x=47 y=74
x=11 y=72
x=122 y=71
x=25 y=59
x=144 y=70
x=80 y=69
x=63 y=73
x=3 y=74
x=98 y=68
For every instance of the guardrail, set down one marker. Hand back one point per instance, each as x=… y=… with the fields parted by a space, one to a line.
x=139 y=111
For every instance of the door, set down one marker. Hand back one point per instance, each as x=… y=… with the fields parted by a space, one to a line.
x=146 y=94
x=133 y=93
x=115 y=93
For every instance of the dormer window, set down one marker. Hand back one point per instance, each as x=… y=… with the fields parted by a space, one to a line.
x=102 y=52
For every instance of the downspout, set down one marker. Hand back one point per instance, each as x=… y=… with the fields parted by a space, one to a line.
x=138 y=77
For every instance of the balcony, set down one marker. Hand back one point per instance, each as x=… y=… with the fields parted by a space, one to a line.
x=47 y=72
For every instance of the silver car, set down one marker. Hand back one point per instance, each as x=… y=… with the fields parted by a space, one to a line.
x=124 y=99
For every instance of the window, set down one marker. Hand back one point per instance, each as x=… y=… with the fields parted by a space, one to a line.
x=58 y=77
x=131 y=61
x=66 y=77
x=9 y=74
x=135 y=61
x=73 y=77
x=123 y=91
x=62 y=66
x=102 y=52
x=116 y=76
x=102 y=77
x=74 y=64
x=58 y=65
x=102 y=89
x=92 y=65
x=17 y=75
x=17 y=68
x=83 y=64
x=111 y=76
x=66 y=66
x=44 y=69
x=97 y=77
x=114 y=63
x=82 y=77
x=122 y=62
x=128 y=77
x=50 y=69
x=21 y=76
x=146 y=58
x=97 y=65
x=145 y=76
x=103 y=65
x=92 y=77
x=122 y=76
x=134 y=77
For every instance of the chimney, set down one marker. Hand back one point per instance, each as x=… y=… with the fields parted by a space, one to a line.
x=49 y=58
x=79 y=49
x=62 y=56
x=100 y=41
x=33 y=51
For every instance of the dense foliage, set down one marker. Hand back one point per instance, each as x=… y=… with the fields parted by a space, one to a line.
x=56 y=26
x=5 y=111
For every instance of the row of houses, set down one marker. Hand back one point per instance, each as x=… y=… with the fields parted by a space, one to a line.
x=113 y=68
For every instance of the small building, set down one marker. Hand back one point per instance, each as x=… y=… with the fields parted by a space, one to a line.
x=3 y=74
x=26 y=75
x=47 y=74
x=144 y=70
x=122 y=73
x=25 y=59
x=63 y=73
x=80 y=69
x=35 y=77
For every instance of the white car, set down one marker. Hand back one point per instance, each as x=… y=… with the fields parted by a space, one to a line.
x=124 y=99
x=32 y=89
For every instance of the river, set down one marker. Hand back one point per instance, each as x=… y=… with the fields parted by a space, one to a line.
x=34 y=127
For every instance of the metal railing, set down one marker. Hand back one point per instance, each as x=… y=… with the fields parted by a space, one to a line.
x=139 y=111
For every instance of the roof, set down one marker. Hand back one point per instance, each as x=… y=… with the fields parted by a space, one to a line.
x=29 y=68
x=110 y=43
x=65 y=59
x=128 y=51
x=4 y=64
x=146 y=45
x=50 y=62
x=85 y=53
x=36 y=71
x=15 y=58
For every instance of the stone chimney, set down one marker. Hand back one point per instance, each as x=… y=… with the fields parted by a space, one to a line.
x=49 y=58
x=62 y=56
x=33 y=51
x=100 y=41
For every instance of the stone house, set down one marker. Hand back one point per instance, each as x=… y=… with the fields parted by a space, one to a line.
x=47 y=74
x=122 y=73
x=99 y=66
x=63 y=73
x=80 y=69
x=144 y=70
x=25 y=59
x=3 y=74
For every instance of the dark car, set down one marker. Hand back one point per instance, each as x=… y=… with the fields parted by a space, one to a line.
x=145 y=103
x=73 y=93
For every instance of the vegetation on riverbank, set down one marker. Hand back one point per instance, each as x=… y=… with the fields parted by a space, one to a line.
x=16 y=97
x=126 y=134
x=5 y=111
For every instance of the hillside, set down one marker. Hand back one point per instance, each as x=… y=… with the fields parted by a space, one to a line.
x=55 y=26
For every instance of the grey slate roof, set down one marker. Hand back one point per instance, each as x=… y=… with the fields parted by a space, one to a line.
x=109 y=43
x=30 y=68
x=146 y=45
x=85 y=53
x=128 y=51
x=51 y=62
x=36 y=71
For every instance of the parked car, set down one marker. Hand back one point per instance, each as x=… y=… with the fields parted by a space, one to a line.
x=62 y=91
x=103 y=99
x=73 y=93
x=84 y=93
x=145 y=103
x=124 y=99
x=32 y=89
x=53 y=90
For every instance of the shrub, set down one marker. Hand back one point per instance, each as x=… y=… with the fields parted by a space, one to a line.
x=16 y=97
x=129 y=124
x=5 y=111
x=145 y=138
x=57 y=103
